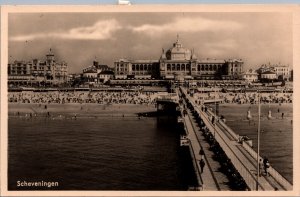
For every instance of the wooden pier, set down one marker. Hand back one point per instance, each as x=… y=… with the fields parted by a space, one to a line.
x=242 y=156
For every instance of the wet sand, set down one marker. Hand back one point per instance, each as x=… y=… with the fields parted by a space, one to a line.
x=75 y=109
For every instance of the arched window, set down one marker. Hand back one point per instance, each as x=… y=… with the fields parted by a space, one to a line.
x=133 y=67
x=168 y=67
x=215 y=67
x=173 y=67
x=206 y=67
x=188 y=67
x=178 y=67
x=182 y=67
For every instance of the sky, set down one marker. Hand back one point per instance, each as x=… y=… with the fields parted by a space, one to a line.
x=80 y=38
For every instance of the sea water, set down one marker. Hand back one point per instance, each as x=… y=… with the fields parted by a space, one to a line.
x=101 y=153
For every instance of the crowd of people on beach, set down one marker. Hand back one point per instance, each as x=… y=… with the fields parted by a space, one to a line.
x=138 y=97
x=246 y=98
x=103 y=97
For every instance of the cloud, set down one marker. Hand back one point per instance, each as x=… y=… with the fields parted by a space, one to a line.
x=101 y=30
x=223 y=44
x=188 y=24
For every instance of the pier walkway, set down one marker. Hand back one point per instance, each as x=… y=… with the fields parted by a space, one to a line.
x=242 y=156
x=209 y=182
x=212 y=178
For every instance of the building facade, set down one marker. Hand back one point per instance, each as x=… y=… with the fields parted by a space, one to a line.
x=282 y=72
x=91 y=73
x=268 y=75
x=179 y=62
x=250 y=76
x=37 y=72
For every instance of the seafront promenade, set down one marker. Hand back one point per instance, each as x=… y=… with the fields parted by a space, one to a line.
x=241 y=155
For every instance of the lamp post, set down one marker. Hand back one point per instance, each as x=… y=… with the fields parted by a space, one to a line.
x=258 y=142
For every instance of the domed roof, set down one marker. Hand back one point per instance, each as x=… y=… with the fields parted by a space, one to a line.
x=178 y=52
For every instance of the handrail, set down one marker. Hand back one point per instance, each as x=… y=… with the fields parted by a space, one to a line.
x=273 y=172
x=200 y=181
x=245 y=172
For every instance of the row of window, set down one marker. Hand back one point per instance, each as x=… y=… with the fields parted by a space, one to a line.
x=178 y=67
x=137 y=67
x=18 y=73
x=187 y=67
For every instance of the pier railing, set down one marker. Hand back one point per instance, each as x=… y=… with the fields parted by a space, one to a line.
x=276 y=175
x=196 y=166
x=280 y=179
x=228 y=129
x=248 y=176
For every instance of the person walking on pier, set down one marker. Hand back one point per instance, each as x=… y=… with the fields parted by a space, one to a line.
x=213 y=119
x=201 y=153
x=266 y=166
x=202 y=164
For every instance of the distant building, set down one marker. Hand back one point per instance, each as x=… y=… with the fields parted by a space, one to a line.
x=38 y=72
x=91 y=73
x=179 y=62
x=291 y=75
x=268 y=75
x=250 y=76
x=140 y=69
x=105 y=76
x=282 y=71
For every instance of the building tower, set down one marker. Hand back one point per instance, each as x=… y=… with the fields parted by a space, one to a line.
x=50 y=57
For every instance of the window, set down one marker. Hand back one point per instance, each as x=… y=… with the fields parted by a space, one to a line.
x=173 y=66
x=188 y=67
x=202 y=67
x=168 y=67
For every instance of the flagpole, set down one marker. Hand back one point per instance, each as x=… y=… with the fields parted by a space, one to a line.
x=258 y=142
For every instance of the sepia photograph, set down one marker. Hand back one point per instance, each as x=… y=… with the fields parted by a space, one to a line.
x=148 y=101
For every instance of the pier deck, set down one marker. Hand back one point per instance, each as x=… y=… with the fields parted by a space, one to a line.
x=208 y=179
x=242 y=157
